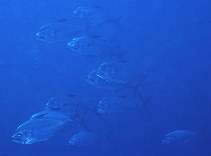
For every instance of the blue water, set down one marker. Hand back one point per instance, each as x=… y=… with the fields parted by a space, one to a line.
x=166 y=41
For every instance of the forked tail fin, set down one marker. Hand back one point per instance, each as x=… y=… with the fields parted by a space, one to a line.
x=134 y=85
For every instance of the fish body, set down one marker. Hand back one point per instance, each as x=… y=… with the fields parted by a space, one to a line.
x=85 y=46
x=114 y=72
x=114 y=76
x=51 y=115
x=63 y=104
x=40 y=127
x=93 y=15
x=99 y=82
x=82 y=139
x=178 y=137
x=36 y=130
x=119 y=105
x=94 y=47
x=59 y=31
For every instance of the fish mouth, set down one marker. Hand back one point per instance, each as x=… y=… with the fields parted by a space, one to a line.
x=90 y=81
x=17 y=139
x=71 y=142
x=101 y=111
x=40 y=37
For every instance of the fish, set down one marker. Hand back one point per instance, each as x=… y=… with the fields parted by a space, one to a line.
x=98 y=20
x=109 y=105
x=64 y=104
x=40 y=127
x=107 y=71
x=51 y=115
x=112 y=71
x=94 y=47
x=93 y=15
x=85 y=46
x=98 y=82
x=113 y=80
x=59 y=31
x=126 y=96
x=37 y=129
x=179 y=137
x=68 y=106
x=83 y=139
x=46 y=36
x=119 y=105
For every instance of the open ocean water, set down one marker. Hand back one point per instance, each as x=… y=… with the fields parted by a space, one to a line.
x=105 y=78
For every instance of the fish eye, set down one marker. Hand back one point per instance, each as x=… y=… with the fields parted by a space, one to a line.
x=73 y=141
x=93 y=79
x=43 y=35
x=37 y=34
x=71 y=44
x=75 y=13
x=78 y=12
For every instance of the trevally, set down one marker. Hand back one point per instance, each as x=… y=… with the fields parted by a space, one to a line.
x=115 y=72
x=40 y=127
x=119 y=105
x=59 y=31
x=86 y=46
x=52 y=115
x=83 y=139
x=93 y=15
x=95 y=47
x=68 y=106
x=101 y=81
x=107 y=71
x=36 y=130
x=178 y=137
x=98 y=82
x=63 y=104
x=99 y=23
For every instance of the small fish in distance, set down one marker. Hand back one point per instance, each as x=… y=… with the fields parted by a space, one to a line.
x=178 y=137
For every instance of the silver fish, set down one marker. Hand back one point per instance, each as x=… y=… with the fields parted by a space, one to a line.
x=51 y=115
x=114 y=71
x=63 y=104
x=178 y=137
x=94 y=47
x=113 y=80
x=99 y=22
x=99 y=82
x=83 y=139
x=119 y=105
x=92 y=14
x=85 y=45
x=34 y=131
x=59 y=31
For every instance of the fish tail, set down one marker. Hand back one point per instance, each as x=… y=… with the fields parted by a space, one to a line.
x=117 y=21
x=135 y=84
x=144 y=106
x=109 y=138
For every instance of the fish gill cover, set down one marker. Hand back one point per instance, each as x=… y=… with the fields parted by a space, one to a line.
x=105 y=78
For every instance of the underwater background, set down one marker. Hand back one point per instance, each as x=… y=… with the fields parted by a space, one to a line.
x=166 y=43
